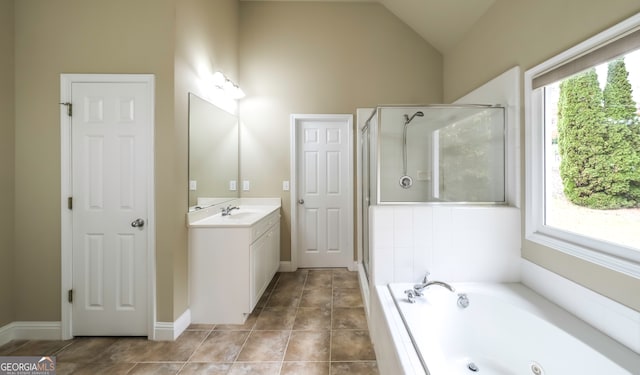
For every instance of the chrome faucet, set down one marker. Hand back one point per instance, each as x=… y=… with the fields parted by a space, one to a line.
x=227 y=210
x=426 y=283
x=418 y=289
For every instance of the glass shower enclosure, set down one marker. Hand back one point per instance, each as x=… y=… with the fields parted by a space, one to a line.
x=444 y=153
x=432 y=154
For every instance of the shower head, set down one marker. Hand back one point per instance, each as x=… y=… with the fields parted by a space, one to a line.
x=408 y=119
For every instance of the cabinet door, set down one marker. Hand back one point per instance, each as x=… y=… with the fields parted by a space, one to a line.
x=274 y=252
x=258 y=272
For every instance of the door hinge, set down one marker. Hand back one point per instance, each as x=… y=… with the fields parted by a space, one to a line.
x=70 y=203
x=69 y=108
x=70 y=295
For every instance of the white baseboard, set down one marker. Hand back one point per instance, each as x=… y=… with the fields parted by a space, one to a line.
x=30 y=331
x=53 y=330
x=286 y=266
x=169 y=331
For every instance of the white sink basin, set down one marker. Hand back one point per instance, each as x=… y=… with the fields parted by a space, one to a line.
x=244 y=216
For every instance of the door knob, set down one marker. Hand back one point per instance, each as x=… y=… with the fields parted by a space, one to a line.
x=300 y=201
x=137 y=223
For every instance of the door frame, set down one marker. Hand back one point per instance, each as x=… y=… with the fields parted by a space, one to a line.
x=295 y=120
x=66 y=261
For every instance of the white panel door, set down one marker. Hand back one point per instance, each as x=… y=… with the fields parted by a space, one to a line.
x=324 y=183
x=110 y=127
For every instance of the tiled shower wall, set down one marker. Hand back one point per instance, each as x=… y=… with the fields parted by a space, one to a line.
x=453 y=243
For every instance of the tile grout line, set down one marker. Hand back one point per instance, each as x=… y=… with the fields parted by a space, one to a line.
x=195 y=350
x=235 y=359
x=62 y=349
x=286 y=347
x=253 y=328
x=331 y=326
x=244 y=343
x=16 y=348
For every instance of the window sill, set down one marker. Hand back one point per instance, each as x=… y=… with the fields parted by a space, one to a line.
x=617 y=258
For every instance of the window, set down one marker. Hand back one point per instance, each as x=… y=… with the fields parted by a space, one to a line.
x=583 y=150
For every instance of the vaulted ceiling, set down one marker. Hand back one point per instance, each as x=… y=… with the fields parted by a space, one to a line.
x=442 y=23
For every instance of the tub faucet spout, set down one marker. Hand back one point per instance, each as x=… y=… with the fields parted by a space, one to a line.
x=418 y=288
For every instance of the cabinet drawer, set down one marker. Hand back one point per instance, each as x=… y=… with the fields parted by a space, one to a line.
x=263 y=225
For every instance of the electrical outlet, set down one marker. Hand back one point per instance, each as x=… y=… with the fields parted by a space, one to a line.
x=245 y=185
x=285 y=185
x=233 y=185
x=193 y=185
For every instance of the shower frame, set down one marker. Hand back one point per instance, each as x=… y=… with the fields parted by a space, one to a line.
x=367 y=132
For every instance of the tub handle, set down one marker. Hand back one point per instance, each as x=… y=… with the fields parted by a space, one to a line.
x=411 y=295
x=463 y=301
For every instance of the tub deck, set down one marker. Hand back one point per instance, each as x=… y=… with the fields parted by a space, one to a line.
x=506 y=329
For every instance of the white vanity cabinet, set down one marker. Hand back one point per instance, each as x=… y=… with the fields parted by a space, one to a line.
x=265 y=261
x=230 y=266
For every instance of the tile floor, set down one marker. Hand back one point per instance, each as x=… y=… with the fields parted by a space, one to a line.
x=308 y=322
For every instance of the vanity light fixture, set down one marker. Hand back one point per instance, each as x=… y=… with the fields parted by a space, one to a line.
x=230 y=88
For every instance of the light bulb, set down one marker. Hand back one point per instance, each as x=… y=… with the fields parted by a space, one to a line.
x=218 y=79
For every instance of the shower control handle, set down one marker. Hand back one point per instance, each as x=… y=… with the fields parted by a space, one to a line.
x=300 y=201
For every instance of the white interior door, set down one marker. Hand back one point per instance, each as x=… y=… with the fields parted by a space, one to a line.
x=111 y=127
x=324 y=184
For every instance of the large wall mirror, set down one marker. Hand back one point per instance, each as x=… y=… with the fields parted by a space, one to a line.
x=213 y=154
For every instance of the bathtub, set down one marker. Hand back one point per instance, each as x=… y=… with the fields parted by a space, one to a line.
x=506 y=329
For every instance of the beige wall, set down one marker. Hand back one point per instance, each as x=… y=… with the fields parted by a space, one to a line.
x=85 y=36
x=173 y=40
x=320 y=58
x=526 y=33
x=206 y=41
x=6 y=162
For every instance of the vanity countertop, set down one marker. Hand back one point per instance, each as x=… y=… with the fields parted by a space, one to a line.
x=249 y=212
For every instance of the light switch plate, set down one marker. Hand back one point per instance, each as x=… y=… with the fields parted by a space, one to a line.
x=193 y=185
x=245 y=185
x=233 y=185
x=285 y=185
